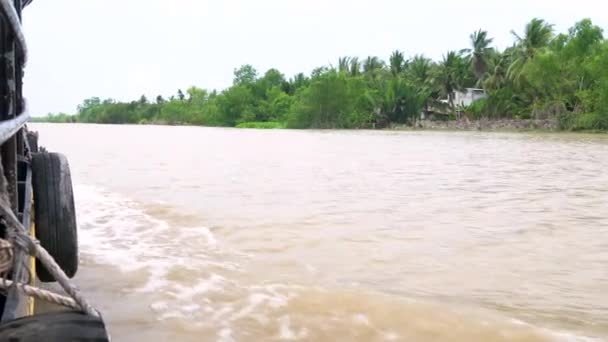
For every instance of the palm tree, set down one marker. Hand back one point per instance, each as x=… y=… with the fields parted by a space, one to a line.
x=401 y=102
x=397 y=63
x=344 y=64
x=419 y=69
x=355 y=67
x=372 y=66
x=451 y=75
x=298 y=81
x=479 y=54
x=498 y=66
x=537 y=35
x=420 y=74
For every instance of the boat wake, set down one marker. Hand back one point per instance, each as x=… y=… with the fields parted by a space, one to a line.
x=187 y=282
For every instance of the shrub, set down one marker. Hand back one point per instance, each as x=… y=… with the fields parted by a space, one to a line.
x=261 y=125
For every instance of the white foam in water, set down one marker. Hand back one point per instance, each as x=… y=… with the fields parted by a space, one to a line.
x=561 y=336
x=391 y=336
x=213 y=284
x=117 y=231
x=286 y=333
x=361 y=319
x=113 y=229
x=225 y=335
x=569 y=337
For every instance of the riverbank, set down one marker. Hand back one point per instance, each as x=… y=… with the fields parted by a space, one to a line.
x=491 y=125
x=502 y=125
x=450 y=125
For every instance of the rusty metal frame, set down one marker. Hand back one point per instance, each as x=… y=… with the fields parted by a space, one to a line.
x=13 y=142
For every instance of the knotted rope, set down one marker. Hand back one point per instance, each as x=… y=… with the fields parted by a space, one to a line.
x=20 y=239
x=6 y=263
x=6 y=257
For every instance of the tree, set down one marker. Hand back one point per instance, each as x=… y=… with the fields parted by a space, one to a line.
x=372 y=66
x=401 y=102
x=397 y=63
x=196 y=95
x=180 y=95
x=421 y=72
x=583 y=38
x=236 y=105
x=479 y=54
x=277 y=105
x=143 y=100
x=246 y=74
x=297 y=82
x=537 y=35
x=344 y=64
x=355 y=67
x=318 y=72
x=451 y=75
x=272 y=78
x=330 y=101
x=496 y=75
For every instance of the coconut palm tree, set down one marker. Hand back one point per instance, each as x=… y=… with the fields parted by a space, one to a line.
x=451 y=75
x=344 y=64
x=298 y=81
x=537 y=35
x=497 y=65
x=400 y=102
x=420 y=74
x=419 y=69
x=355 y=67
x=397 y=63
x=372 y=66
x=479 y=54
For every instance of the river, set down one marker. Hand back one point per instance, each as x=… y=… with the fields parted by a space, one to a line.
x=196 y=234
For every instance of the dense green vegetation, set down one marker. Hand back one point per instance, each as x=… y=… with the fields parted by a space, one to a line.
x=261 y=125
x=542 y=75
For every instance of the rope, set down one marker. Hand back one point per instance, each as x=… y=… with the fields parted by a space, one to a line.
x=6 y=262
x=6 y=256
x=22 y=240
x=41 y=294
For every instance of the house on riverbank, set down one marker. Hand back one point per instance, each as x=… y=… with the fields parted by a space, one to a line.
x=468 y=96
x=462 y=99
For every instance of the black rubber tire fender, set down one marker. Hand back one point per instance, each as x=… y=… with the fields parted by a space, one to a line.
x=54 y=212
x=55 y=327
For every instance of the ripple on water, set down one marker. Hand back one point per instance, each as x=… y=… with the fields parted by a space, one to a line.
x=511 y=223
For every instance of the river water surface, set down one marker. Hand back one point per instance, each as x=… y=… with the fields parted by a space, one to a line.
x=204 y=234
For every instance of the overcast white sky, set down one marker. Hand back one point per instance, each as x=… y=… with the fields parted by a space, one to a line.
x=124 y=48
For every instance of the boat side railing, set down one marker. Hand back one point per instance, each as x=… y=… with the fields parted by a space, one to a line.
x=8 y=128
x=9 y=11
x=13 y=117
x=14 y=149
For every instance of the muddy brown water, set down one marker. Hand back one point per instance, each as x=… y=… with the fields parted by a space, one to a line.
x=208 y=234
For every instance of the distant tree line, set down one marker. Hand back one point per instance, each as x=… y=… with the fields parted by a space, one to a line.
x=541 y=75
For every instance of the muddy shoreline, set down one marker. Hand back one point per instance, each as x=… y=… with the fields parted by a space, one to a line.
x=549 y=125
